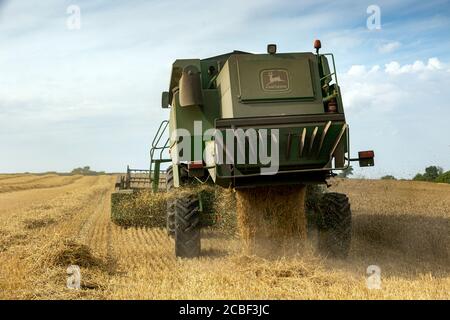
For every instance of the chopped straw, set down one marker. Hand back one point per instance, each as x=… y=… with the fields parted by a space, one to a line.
x=272 y=220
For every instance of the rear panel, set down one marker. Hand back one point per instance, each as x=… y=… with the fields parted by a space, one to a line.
x=272 y=80
x=270 y=85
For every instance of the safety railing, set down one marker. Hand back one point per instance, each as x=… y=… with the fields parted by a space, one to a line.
x=155 y=160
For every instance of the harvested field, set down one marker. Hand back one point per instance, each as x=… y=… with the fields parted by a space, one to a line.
x=35 y=182
x=401 y=226
x=10 y=176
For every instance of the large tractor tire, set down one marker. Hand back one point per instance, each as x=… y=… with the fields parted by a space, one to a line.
x=171 y=203
x=187 y=226
x=334 y=224
x=314 y=194
x=170 y=224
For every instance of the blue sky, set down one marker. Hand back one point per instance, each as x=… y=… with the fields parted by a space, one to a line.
x=91 y=96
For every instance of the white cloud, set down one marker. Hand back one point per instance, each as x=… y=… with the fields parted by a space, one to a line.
x=396 y=110
x=366 y=87
x=434 y=63
x=357 y=70
x=394 y=68
x=389 y=47
x=361 y=70
x=375 y=68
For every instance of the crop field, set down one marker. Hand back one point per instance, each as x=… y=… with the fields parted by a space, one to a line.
x=49 y=222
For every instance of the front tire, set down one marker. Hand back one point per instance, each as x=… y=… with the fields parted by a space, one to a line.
x=335 y=225
x=171 y=203
x=170 y=218
x=187 y=226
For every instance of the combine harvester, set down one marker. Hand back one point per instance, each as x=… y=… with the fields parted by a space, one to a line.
x=244 y=120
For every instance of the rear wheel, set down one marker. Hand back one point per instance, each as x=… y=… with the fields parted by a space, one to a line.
x=334 y=224
x=171 y=203
x=187 y=226
x=313 y=196
x=170 y=218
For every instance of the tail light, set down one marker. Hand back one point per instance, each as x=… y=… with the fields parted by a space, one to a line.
x=195 y=165
x=366 y=154
x=366 y=158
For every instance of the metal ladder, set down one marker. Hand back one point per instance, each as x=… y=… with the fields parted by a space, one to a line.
x=155 y=161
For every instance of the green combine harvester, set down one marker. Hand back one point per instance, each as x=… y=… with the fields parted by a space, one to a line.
x=245 y=120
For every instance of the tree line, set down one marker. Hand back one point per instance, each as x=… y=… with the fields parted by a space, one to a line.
x=431 y=174
x=86 y=171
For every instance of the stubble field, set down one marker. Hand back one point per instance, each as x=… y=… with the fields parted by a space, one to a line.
x=48 y=221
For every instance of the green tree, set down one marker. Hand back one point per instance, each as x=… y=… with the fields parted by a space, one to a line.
x=432 y=172
x=86 y=170
x=346 y=172
x=444 y=177
x=388 y=177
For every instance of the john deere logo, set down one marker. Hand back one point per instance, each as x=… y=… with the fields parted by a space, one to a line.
x=275 y=80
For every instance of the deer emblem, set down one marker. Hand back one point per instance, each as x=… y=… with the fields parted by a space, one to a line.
x=273 y=79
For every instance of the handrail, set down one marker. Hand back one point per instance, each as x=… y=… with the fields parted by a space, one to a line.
x=166 y=145
x=159 y=133
x=328 y=75
x=156 y=145
x=334 y=67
